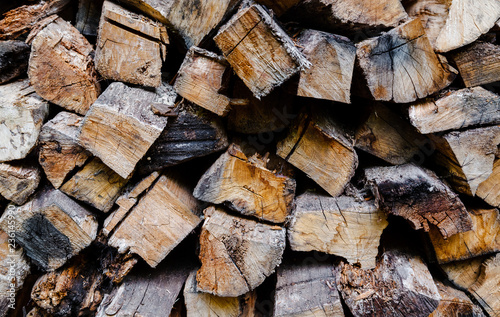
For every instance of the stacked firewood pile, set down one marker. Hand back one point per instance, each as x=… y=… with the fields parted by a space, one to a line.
x=240 y=158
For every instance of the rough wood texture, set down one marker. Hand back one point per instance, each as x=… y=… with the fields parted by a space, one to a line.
x=318 y=146
x=14 y=57
x=489 y=190
x=259 y=51
x=456 y=110
x=487 y=287
x=247 y=186
x=59 y=151
x=417 y=195
x=341 y=226
x=307 y=290
x=463 y=274
x=88 y=16
x=18 y=181
x=236 y=254
x=389 y=137
x=332 y=59
x=455 y=303
x=400 y=285
x=120 y=127
x=130 y=47
x=22 y=112
x=484 y=238
x=479 y=63
x=159 y=222
x=200 y=79
x=400 y=65
x=61 y=68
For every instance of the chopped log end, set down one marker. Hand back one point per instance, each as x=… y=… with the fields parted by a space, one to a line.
x=489 y=190
x=486 y=290
x=18 y=181
x=479 y=63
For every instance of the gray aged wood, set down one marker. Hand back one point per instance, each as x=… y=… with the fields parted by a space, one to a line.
x=18 y=181
x=14 y=57
x=88 y=16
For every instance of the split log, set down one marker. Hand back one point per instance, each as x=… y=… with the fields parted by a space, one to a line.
x=120 y=127
x=486 y=290
x=130 y=47
x=208 y=305
x=332 y=57
x=321 y=148
x=18 y=181
x=61 y=68
x=307 y=290
x=278 y=7
x=455 y=303
x=489 y=190
x=88 y=16
x=387 y=136
x=467 y=156
x=479 y=63
x=259 y=51
x=456 y=110
x=401 y=285
x=463 y=274
x=236 y=254
x=400 y=65
x=247 y=186
x=14 y=57
x=340 y=226
x=200 y=79
x=59 y=152
x=484 y=238
x=159 y=222
x=417 y=195
x=95 y=184
x=22 y=112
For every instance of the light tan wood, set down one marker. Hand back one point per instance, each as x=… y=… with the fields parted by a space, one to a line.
x=454 y=303
x=479 y=64
x=489 y=190
x=18 y=181
x=464 y=273
x=486 y=290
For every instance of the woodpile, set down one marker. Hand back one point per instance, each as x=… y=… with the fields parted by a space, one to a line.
x=250 y=158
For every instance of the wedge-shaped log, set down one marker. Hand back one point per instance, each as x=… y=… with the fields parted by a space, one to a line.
x=14 y=57
x=18 y=181
x=489 y=190
x=337 y=225
x=247 y=186
x=486 y=290
x=464 y=273
x=479 y=63
x=120 y=127
x=236 y=254
x=455 y=303
x=400 y=65
x=259 y=51
x=417 y=195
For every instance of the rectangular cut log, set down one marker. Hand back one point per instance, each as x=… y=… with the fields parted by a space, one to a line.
x=259 y=51
x=479 y=63
x=462 y=274
x=486 y=290
x=61 y=68
x=417 y=195
x=337 y=225
x=120 y=127
x=14 y=57
x=456 y=110
x=18 y=181
x=88 y=16
x=489 y=190
x=400 y=65
x=455 y=303
x=247 y=186
x=130 y=47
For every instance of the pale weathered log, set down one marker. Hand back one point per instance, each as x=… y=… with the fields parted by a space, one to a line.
x=489 y=190
x=236 y=254
x=22 y=112
x=88 y=16
x=341 y=226
x=417 y=195
x=18 y=181
x=479 y=63
x=14 y=57
x=247 y=186
x=464 y=273
x=61 y=68
x=259 y=51
x=486 y=290
x=456 y=110
x=455 y=303
x=400 y=65
x=120 y=127
x=130 y=47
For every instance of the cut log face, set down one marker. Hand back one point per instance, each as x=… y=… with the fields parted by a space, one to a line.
x=200 y=79
x=159 y=222
x=22 y=112
x=88 y=16
x=456 y=110
x=236 y=254
x=479 y=63
x=18 y=181
x=468 y=156
x=401 y=285
x=484 y=238
x=400 y=65
x=307 y=290
x=14 y=57
x=340 y=226
x=455 y=303
x=130 y=47
x=245 y=185
x=120 y=127
x=489 y=190
x=417 y=195
x=320 y=148
x=463 y=274
x=332 y=59
x=61 y=68
x=486 y=290
x=59 y=151
x=259 y=51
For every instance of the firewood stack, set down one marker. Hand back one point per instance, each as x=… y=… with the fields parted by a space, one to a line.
x=240 y=158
